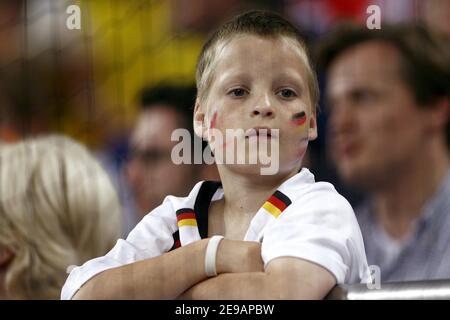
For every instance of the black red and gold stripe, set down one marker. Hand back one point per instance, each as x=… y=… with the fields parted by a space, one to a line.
x=299 y=118
x=186 y=217
x=277 y=203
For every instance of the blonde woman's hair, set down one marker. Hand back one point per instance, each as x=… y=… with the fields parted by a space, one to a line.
x=58 y=208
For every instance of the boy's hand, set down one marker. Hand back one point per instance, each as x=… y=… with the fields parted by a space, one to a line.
x=234 y=256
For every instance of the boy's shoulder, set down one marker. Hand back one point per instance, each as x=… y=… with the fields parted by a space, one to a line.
x=304 y=182
x=306 y=189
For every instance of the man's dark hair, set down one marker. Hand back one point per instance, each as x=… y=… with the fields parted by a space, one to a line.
x=181 y=99
x=425 y=62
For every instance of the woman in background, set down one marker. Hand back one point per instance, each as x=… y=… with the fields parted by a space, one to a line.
x=58 y=208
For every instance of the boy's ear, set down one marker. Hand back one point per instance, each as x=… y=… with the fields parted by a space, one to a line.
x=199 y=121
x=312 y=131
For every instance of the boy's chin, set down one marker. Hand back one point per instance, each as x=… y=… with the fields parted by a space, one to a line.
x=257 y=169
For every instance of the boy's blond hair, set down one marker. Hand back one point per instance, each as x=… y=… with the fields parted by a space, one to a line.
x=58 y=208
x=260 y=23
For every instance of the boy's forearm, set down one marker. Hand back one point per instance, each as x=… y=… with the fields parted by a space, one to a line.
x=233 y=286
x=163 y=277
x=284 y=278
x=171 y=274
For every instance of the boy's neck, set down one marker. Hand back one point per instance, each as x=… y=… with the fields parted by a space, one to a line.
x=245 y=194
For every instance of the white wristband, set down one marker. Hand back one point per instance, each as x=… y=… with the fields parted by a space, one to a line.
x=210 y=256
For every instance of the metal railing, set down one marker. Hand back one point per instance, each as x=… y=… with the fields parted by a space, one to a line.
x=411 y=290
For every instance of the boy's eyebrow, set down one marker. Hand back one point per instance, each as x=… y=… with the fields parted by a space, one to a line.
x=282 y=77
x=233 y=74
x=291 y=77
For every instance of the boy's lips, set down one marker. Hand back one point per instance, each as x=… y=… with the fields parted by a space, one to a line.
x=261 y=132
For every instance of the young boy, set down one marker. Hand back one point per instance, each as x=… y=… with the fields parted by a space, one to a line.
x=286 y=236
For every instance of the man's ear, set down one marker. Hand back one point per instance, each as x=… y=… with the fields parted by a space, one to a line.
x=6 y=256
x=312 y=131
x=439 y=114
x=200 y=128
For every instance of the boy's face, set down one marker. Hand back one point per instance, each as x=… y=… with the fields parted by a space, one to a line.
x=259 y=83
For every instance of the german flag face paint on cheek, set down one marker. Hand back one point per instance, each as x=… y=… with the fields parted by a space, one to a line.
x=212 y=128
x=299 y=119
x=212 y=125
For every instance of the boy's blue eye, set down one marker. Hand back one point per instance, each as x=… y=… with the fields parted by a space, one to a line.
x=287 y=93
x=238 y=92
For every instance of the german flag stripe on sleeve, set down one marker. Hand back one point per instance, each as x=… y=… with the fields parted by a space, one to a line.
x=282 y=197
x=186 y=217
x=276 y=204
x=187 y=222
x=272 y=209
x=190 y=215
x=184 y=210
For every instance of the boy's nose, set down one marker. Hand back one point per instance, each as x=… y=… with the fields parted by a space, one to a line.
x=263 y=108
x=263 y=111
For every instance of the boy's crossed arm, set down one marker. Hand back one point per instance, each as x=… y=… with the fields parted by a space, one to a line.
x=169 y=275
x=181 y=273
x=284 y=278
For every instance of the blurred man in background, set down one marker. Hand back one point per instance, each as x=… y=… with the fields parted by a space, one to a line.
x=437 y=15
x=388 y=95
x=150 y=171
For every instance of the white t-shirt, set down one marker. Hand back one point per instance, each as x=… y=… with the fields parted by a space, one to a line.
x=303 y=219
